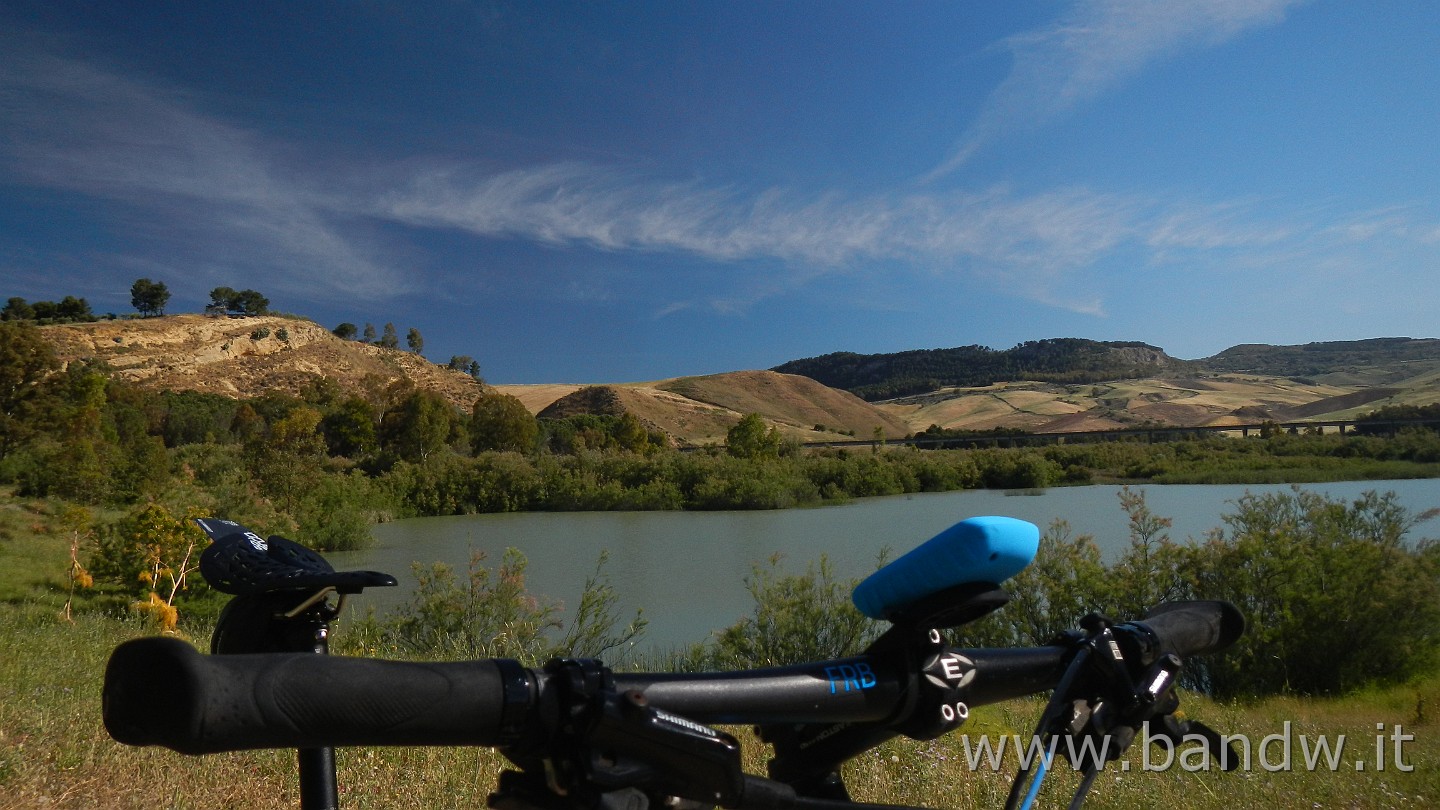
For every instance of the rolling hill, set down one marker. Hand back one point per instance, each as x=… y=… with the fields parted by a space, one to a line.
x=1108 y=385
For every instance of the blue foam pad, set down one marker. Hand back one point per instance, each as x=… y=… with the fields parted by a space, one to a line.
x=979 y=549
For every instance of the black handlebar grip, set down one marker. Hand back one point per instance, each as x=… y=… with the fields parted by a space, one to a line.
x=1195 y=627
x=161 y=691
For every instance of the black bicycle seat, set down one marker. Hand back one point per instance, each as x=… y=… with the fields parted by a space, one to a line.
x=241 y=562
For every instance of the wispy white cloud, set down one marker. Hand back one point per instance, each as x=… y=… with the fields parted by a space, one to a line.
x=215 y=194
x=1395 y=223
x=219 y=195
x=1094 y=46
x=993 y=231
x=1226 y=226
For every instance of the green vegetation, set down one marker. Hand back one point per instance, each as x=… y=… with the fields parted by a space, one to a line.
x=752 y=439
x=238 y=302
x=389 y=339
x=797 y=618
x=55 y=753
x=1313 y=359
x=149 y=297
x=1336 y=598
x=1375 y=422
x=466 y=364
x=68 y=310
x=491 y=614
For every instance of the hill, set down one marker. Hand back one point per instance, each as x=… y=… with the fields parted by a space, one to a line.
x=1373 y=361
x=246 y=357
x=1074 y=385
x=701 y=410
x=1210 y=400
x=1057 y=360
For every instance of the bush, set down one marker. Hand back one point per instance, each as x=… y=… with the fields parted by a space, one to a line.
x=1334 y=598
x=492 y=615
x=149 y=555
x=1000 y=469
x=335 y=513
x=797 y=618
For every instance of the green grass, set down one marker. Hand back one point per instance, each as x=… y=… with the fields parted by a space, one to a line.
x=34 y=559
x=904 y=771
x=54 y=751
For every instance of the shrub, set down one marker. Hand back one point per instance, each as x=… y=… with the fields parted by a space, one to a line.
x=804 y=617
x=492 y=615
x=149 y=554
x=1334 y=598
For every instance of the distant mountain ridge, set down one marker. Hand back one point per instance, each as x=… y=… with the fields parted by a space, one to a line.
x=1072 y=361
x=1318 y=359
x=1077 y=361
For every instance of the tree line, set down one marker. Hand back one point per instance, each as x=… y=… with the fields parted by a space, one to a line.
x=390 y=339
x=69 y=309
x=147 y=296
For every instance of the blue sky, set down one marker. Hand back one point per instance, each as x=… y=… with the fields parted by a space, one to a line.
x=608 y=192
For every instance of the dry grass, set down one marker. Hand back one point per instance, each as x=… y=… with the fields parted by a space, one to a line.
x=55 y=753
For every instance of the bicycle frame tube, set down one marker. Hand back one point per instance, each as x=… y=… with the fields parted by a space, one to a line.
x=866 y=688
x=856 y=689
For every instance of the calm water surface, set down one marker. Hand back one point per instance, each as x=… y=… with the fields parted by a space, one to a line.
x=687 y=570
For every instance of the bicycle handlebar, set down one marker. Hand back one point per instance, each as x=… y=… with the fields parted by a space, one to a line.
x=1197 y=627
x=161 y=691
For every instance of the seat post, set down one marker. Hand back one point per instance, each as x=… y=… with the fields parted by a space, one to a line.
x=318 y=784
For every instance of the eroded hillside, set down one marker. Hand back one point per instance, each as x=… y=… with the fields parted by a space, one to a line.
x=246 y=357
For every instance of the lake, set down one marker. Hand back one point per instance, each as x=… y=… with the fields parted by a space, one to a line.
x=687 y=570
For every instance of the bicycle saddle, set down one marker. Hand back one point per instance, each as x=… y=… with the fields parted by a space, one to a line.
x=241 y=562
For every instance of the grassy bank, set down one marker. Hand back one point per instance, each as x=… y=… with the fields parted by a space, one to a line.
x=54 y=751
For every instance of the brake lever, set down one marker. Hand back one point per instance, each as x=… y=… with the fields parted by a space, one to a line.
x=1119 y=719
x=1173 y=731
